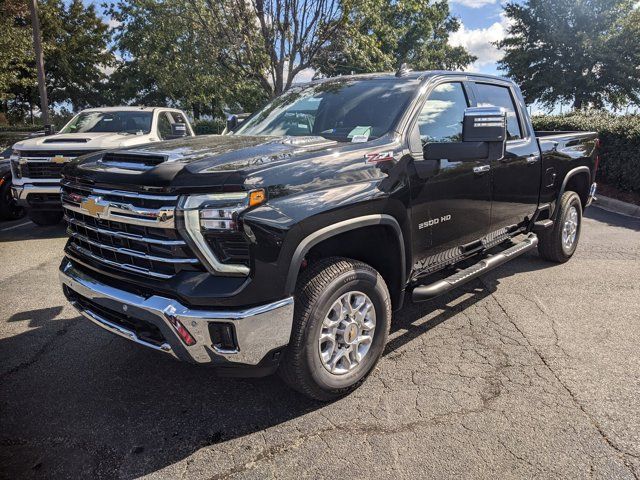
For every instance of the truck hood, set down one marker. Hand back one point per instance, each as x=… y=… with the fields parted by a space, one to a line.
x=82 y=141
x=203 y=161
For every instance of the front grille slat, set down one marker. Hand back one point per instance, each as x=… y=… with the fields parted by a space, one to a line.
x=41 y=169
x=133 y=233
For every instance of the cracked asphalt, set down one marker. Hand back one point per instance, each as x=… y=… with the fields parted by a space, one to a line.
x=532 y=371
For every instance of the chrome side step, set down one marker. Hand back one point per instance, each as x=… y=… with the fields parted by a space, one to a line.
x=427 y=292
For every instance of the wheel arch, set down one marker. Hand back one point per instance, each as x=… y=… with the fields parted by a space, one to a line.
x=577 y=180
x=354 y=226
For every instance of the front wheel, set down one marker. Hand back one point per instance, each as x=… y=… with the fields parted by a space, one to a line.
x=560 y=243
x=9 y=209
x=341 y=325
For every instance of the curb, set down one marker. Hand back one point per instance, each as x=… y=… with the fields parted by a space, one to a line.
x=617 y=206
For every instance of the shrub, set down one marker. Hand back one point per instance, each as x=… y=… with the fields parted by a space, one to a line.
x=209 y=127
x=620 y=136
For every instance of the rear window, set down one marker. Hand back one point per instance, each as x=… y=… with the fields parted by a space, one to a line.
x=497 y=96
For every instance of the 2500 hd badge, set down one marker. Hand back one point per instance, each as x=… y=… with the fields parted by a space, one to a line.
x=276 y=248
x=434 y=221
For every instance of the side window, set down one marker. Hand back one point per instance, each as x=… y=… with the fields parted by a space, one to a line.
x=441 y=117
x=164 y=126
x=497 y=96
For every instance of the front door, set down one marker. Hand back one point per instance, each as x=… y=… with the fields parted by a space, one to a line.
x=515 y=177
x=451 y=200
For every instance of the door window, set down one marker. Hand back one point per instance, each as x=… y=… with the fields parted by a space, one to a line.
x=164 y=126
x=441 y=117
x=497 y=96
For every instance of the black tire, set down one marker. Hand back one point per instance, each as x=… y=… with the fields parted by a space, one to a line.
x=317 y=291
x=550 y=243
x=45 y=219
x=9 y=210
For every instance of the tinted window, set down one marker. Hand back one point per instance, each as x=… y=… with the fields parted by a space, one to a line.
x=122 y=122
x=343 y=110
x=441 y=117
x=164 y=126
x=493 y=95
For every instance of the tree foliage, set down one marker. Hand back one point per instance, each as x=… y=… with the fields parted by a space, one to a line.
x=583 y=51
x=381 y=35
x=269 y=41
x=169 y=58
x=76 y=54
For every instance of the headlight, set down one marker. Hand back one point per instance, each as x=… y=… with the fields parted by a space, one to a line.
x=16 y=171
x=217 y=212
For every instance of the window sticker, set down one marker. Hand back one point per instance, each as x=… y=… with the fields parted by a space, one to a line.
x=360 y=134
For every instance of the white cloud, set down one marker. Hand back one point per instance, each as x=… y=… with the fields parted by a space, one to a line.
x=113 y=23
x=479 y=42
x=304 y=76
x=474 y=3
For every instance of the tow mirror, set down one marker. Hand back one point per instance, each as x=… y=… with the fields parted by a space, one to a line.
x=484 y=132
x=49 y=129
x=484 y=124
x=179 y=130
x=232 y=123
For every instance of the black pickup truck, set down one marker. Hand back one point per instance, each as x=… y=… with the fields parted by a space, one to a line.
x=286 y=244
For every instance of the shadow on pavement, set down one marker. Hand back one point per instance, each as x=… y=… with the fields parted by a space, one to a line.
x=31 y=231
x=613 y=219
x=88 y=404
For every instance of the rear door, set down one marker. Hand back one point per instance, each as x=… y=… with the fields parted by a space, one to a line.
x=516 y=177
x=451 y=200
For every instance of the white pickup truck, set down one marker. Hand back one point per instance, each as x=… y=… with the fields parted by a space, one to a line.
x=36 y=163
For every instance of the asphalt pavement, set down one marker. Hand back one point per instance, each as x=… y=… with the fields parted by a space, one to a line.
x=532 y=371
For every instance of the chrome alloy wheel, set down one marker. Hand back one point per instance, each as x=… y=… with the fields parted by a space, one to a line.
x=347 y=332
x=570 y=228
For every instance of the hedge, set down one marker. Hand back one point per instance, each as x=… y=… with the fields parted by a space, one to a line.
x=209 y=127
x=620 y=136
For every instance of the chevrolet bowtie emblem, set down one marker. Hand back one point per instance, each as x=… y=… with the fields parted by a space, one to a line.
x=93 y=207
x=58 y=159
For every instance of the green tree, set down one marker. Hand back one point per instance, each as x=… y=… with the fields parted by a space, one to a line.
x=169 y=58
x=269 y=41
x=381 y=35
x=76 y=54
x=583 y=51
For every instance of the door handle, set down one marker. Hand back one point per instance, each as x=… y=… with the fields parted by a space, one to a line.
x=481 y=169
x=533 y=158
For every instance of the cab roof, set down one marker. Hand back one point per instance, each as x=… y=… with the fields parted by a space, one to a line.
x=409 y=75
x=128 y=109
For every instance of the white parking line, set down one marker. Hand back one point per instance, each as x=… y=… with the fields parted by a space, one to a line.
x=15 y=226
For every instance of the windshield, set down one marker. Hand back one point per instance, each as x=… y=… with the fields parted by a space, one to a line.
x=118 y=122
x=343 y=110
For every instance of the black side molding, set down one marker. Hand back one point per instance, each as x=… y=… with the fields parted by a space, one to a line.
x=427 y=292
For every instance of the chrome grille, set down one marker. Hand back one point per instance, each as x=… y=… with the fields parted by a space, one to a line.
x=126 y=231
x=42 y=169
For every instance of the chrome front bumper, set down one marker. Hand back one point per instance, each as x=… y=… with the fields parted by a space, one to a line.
x=21 y=191
x=258 y=330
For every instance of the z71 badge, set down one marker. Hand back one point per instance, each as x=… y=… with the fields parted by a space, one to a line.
x=434 y=221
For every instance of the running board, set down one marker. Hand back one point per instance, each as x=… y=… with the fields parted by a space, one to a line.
x=427 y=292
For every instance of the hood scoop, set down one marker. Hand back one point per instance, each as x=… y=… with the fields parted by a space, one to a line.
x=66 y=140
x=131 y=161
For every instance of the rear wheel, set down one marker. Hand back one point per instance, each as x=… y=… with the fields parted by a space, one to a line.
x=559 y=243
x=341 y=324
x=44 y=219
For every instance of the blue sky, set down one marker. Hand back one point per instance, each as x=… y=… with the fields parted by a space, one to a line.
x=483 y=22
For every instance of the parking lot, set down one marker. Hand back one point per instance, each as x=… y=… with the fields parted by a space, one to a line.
x=531 y=371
